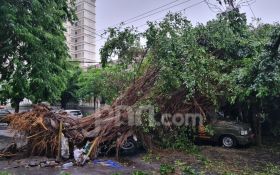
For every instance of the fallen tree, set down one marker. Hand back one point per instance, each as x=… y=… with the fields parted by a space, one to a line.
x=41 y=125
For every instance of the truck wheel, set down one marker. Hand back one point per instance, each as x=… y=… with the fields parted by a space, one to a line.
x=129 y=147
x=228 y=141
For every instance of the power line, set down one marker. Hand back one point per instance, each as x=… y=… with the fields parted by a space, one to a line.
x=141 y=14
x=214 y=8
x=127 y=21
x=159 y=11
x=251 y=9
x=196 y=4
x=150 y=11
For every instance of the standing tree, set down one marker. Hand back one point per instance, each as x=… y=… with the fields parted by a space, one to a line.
x=33 y=50
x=258 y=81
x=70 y=94
x=106 y=83
x=125 y=44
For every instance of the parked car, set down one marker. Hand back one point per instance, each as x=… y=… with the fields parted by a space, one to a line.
x=228 y=133
x=75 y=113
x=3 y=114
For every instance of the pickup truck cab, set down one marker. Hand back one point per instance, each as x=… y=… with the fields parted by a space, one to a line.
x=226 y=132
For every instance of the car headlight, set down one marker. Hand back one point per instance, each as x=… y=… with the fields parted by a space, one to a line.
x=244 y=132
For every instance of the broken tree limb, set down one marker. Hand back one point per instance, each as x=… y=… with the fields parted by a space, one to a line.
x=58 y=158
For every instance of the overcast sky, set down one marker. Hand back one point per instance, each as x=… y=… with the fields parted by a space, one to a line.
x=111 y=12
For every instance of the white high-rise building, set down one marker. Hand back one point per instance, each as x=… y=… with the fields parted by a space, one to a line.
x=81 y=35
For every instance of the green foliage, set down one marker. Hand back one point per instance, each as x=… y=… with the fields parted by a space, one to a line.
x=107 y=83
x=70 y=94
x=122 y=43
x=271 y=169
x=209 y=130
x=228 y=173
x=166 y=169
x=140 y=173
x=188 y=170
x=4 y=173
x=116 y=174
x=65 y=173
x=225 y=61
x=90 y=83
x=33 y=50
x=185 y=169
x=147 y=158
x=179 y=139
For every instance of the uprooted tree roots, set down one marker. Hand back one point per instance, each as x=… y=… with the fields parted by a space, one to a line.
x=109 y=124
x=41 y=125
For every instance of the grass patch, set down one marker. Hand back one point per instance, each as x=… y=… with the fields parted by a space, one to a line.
x=5 y=173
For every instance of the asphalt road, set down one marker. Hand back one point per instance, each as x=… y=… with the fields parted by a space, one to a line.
x=4 y=132
x=6 y=136
x=18 y=166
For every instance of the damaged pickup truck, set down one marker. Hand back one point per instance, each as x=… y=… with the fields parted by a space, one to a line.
x=226 y=132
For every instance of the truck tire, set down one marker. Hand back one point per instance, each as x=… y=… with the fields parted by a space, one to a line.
x=228 y=141
x=129 y=147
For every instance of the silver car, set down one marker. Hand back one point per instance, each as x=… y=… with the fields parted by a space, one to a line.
x=75 y=113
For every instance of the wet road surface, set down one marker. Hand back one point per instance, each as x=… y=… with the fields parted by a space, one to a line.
x=21 y=166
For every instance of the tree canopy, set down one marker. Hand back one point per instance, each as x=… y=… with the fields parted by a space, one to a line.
x=226 y=60
x=33 y=50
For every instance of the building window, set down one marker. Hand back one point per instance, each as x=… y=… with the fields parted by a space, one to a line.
x=76 y=32
x=76 y=40
x=76 y=56
x=76 y=48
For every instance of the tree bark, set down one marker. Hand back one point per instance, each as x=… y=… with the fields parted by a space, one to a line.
x=17 y=106
x=257 y=128
x=63 y=104
x=94 y=103
x=259 y=131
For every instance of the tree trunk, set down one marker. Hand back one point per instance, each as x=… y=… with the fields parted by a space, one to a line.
x=94 y=103
x=257 y=128
x=259 y=131
x=17 y=106
x=63 y=104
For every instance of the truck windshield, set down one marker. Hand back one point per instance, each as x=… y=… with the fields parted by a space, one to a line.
x=220 y=116
x=76 y=113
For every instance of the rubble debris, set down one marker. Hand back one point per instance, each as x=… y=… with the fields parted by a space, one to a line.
x=78 y=155
x=67 y=165
x=6 y=155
